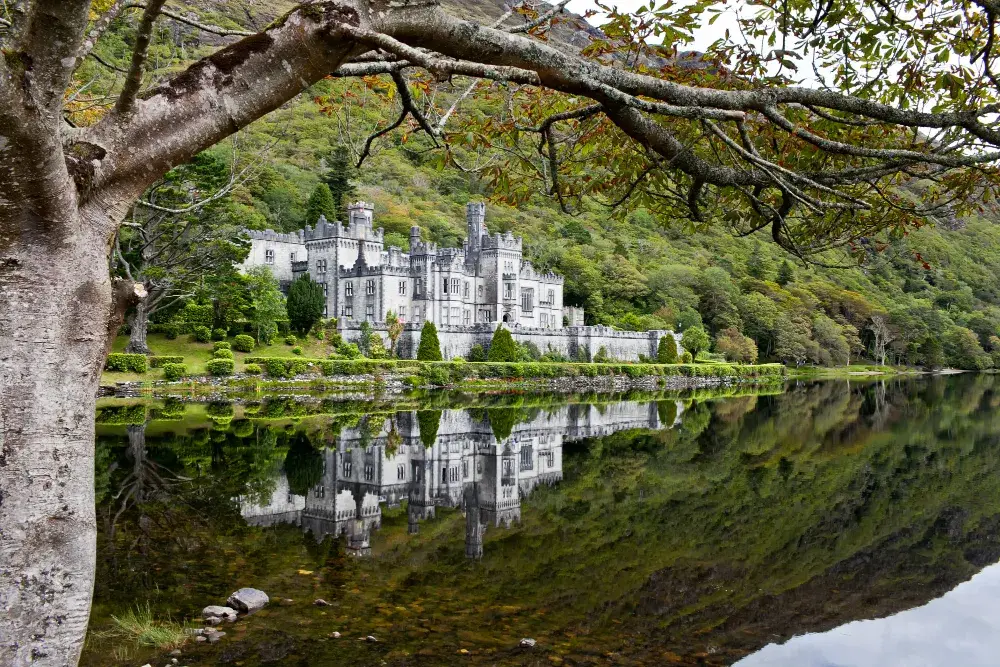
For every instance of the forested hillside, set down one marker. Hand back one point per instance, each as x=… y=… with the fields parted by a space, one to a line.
x=930 y=297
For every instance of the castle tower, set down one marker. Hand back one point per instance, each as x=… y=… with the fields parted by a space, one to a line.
x=475 y=220
x=360 y=213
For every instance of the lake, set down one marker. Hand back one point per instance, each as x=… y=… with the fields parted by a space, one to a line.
x=825 y=523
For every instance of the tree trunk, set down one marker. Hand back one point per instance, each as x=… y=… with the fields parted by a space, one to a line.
x=139 y=325
x=56 y=301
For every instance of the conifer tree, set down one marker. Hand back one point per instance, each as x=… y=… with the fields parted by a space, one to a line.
x=786 y=273
x=305 y=304
x=337 y=177
x=430 y=348
x=666 y=350
x=320 y=203
x=503 y=347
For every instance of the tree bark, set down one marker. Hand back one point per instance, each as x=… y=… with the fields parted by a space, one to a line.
x=139 y=325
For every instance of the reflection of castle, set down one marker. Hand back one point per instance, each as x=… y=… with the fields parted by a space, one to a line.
x=464 y=467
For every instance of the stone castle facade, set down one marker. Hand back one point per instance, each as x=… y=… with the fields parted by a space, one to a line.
x=466 y=292
x=485 y=281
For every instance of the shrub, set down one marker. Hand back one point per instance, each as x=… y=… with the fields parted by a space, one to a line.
x=376 y=347
x=297 y=350
x=219 y=334
x=430 y=348
x=503 y=347
x=435 y=374
x=364 y=337
x=221 y=345
x=290 y=340
x=304 y=304
x=686 y=358
x=695 y=340
x=602 y=356
x=666 y=350
x=173 y=372
x=243 y=343
x=734 y=346
x=169 y=330
x=252 y=369
x=477 y=353
x=220 y=366
x=348 y=350
x=124 y=362
x=201 y=334
x=282 y=366
x=223 y=353
x=412 y=382
x=160 y=362
x=197 y=315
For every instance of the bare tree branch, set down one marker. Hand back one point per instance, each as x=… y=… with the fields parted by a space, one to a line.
x=143 y=36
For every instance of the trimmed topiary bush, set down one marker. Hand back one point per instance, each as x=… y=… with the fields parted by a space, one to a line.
x=221 y=345
x=160 y=362
x=252 y=369
x=686 y=358
x=173 y=372
x=124 y=362
x=666 y=350
x=297 y=350
x=430 y=347
x=223 y=353
x=201 y=334
x=219 y=334
x=477 y=353
x=243 y=343
x=220 y=366
x=503 y=347
x=290 y=340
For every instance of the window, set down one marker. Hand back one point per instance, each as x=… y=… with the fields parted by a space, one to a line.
x=543 y=320
x=419 y=286
x=467 y=317
x=369 y=472
x=454 y=286
x=402 y=312
x=321 y=266
x=465 y=291
x=444 y=285
x=527 y=462
x=484 y=315
x=326 y=289
x=527 y=300
x=370 y=312
x=347 y=468
x=400 y=472
x=269 y=257
x=480 y=291
x=508 y=290
x=444 y=316
x=319 y=492
x=416 y=314
x=455 y=315
x=349 y=289
x=291 y=256
x=552 y=297
x=465 y=468
x=402 y=287
x=369 y=287
x=348 y=310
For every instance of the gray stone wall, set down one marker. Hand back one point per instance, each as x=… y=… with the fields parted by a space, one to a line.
x=458 y=341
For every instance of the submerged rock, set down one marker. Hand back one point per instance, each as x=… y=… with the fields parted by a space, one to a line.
x=248 y=600
x=527 y=642
x=334 y=635
x=320 y=602
x=215 y=610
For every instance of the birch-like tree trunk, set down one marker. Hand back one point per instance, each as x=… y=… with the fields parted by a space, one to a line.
x=138 y=326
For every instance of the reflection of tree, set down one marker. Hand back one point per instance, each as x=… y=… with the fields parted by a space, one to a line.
x=429 y=421
x=303 y=465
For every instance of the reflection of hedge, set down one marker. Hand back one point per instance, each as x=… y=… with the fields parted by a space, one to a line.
x=220 y=410
x=667 y=412
x=242 y=428
x=124 y=362
x=158 y=362
x=503 y=421
x=172 y=410
x=122 y=414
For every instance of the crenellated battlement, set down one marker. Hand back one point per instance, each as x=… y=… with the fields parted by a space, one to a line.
x=277 y=237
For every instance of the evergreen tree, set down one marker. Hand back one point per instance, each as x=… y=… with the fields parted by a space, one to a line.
x=365 y=338
x=430 y=348
x=305 y=304
x=666 y=350
x=268 y=304
x=786 y=273
x=337 y=178
x=503 y=347
x=320 y=203
x=757 y=265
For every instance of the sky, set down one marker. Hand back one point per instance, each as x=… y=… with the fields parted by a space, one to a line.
x=961 y=628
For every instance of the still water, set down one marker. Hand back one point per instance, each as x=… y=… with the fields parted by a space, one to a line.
x=828 y=523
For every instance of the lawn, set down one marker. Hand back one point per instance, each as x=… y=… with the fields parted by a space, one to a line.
x=196 y=355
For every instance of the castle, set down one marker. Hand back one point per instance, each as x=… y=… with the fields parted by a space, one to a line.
x=466 y=292
x=465 y=465
x=486 y=280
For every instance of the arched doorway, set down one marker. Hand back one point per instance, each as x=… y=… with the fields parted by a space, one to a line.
x=506 y=319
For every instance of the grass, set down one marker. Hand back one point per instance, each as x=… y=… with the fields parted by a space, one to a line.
x=142 y=628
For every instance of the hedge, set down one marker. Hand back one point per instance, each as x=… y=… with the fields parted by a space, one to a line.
x=220 y=366
x=201 y=334
x=173 y=372
x=159 y=362
x=243 y=343
x=221 y=345
x=124 y=362
x=223 y=353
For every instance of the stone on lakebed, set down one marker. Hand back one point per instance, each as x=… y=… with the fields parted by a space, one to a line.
x=215 y=610
x=248 y=600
